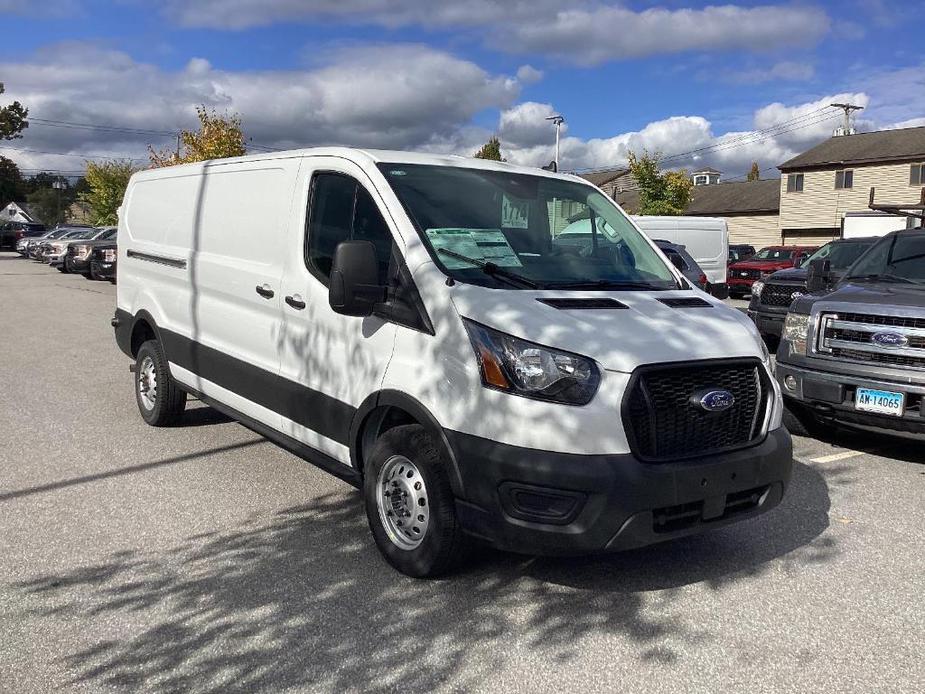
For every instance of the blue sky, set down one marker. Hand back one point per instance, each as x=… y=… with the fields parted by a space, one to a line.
x=443 y=75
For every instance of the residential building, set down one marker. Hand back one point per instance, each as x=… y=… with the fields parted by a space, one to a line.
x=612 y=181
x=819 y=186
x=706 y=177
x=18 y=212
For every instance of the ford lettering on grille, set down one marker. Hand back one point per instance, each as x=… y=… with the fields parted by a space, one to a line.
x=889 y=340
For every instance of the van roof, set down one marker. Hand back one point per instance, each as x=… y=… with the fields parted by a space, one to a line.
x=370 y=157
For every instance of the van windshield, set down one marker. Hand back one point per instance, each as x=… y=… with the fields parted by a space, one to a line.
x=501 y=229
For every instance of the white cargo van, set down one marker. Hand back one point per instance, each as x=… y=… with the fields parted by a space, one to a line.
x=705 y=238
x=414 y=325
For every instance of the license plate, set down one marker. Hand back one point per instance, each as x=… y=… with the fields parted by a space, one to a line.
x=879 y=401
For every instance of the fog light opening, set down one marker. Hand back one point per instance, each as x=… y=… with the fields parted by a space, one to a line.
x=790 y=383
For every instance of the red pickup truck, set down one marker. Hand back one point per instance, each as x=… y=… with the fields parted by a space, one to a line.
x=740 y=276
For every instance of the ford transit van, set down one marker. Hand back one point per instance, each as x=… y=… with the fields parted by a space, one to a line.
x=420 y=327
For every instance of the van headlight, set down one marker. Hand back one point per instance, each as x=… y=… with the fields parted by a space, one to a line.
x=524 y=368
x=757 y=286
x=796 y=329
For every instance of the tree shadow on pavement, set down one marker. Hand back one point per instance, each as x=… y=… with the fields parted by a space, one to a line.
x=302 y=599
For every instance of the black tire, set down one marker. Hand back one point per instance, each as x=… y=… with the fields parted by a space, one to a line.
x=168 y=402
x=67 y=264
x=92 y=274
x=443 y=545
x=799 y=421
x=63 y=267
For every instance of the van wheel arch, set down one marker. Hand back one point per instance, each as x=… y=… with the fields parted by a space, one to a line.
x=386 y=410
x=143 y=329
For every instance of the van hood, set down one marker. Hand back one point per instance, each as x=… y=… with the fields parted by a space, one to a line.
x=646 y=331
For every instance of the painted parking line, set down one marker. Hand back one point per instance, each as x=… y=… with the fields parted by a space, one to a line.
x=844 y=455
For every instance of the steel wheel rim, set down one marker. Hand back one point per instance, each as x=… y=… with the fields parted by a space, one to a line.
x=147 y=383
x=401 y=498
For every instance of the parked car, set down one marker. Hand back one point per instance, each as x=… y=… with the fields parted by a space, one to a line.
x=682 y=260
x=103 y=261
x=855 y=356
x=410 y=326
x=771 y=297
x=57 y=250
x=740 y=251
x=12 y=232
x=77 y=255
x=771 y=259
x=39 y=251
x=24 y=245
x=705 y=238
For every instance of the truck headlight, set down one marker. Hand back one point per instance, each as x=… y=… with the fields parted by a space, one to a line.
x=524 y=368
x=796 y=329
x=757 y=286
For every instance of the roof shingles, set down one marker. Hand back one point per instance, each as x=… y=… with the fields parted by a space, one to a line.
x=902 y=144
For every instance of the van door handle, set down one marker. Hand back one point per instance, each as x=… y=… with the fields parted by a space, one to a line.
x=295 y=301
x=265 y=291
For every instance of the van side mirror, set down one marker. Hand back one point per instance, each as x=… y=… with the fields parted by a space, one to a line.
x=354 y=288
x=818 y=275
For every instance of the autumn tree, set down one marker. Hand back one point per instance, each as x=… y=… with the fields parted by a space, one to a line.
x=12 y=119
x=106 y=183
x=660 y=193
x=219 y=136
x=491 y=150
x=754 y=173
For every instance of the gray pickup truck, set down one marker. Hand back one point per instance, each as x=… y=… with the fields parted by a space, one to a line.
x=856 y=356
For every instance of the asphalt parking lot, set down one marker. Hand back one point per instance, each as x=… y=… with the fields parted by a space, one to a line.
x=203 y=559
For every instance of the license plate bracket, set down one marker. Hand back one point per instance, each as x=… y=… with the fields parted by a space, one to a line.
x=878 y=401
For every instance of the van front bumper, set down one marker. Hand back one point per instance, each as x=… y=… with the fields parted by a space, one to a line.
x=541 y=502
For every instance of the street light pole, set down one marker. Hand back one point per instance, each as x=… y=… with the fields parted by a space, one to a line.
x=557 y=120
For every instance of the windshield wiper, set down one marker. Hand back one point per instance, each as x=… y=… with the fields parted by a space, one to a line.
x=602 y=284
x=489 y=268
x=876 y=277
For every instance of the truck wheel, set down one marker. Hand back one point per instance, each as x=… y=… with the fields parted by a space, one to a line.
x=799 y=421
x=160 y=400
x=410 y=505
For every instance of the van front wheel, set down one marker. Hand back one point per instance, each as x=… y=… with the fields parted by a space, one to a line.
x=160 y=400
x=410 y=505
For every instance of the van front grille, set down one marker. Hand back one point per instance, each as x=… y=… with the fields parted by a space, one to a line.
x=663 y=424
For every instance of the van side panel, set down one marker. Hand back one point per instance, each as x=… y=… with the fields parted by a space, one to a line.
x=705 y=238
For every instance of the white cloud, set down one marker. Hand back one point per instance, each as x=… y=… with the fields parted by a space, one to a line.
x=582 y=31
x=402 y=96
x=784 y=71
x=45 y=8
x=528 y=74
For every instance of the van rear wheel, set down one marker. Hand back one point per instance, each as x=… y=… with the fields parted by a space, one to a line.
x=160 y=400
x=410 y=505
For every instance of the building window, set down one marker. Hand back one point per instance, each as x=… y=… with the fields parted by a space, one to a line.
x=844 y=179
x=795 y=183
x=917 y=175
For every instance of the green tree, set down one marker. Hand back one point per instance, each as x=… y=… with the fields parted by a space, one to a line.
x=12 y=119
x=219 y=136
x=11 y=183
x=50 y=204
x=491 y=150
x=107 y=182
x=667 y=193
x=754 y=173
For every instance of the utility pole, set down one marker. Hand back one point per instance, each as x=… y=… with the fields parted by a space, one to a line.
x=557 y=120
x=847 y=108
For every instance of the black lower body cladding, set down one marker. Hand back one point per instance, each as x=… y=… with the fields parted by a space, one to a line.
x=540 y=502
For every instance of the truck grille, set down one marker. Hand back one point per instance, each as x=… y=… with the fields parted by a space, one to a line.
x=748 y=274
x=780 y=294
x=662 y=424
x=850 y=336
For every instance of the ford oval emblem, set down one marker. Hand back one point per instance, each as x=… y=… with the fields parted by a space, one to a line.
x=889 y=340
x=796 y=295
x=713 y=400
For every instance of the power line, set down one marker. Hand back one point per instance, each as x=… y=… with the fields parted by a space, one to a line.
x=105 y=128
x=110 y=155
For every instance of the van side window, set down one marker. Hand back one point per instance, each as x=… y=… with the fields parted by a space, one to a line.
x=340 y=209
